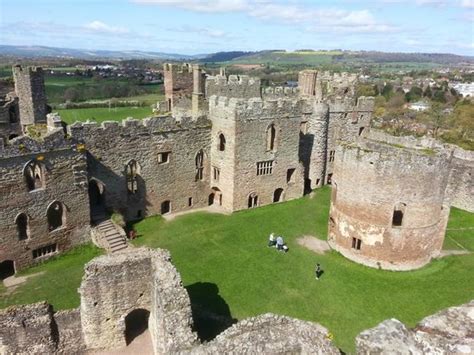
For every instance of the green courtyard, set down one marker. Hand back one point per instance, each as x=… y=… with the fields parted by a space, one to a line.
x=231 y=274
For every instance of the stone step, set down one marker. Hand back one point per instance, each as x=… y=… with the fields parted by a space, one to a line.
x=117 y=242
x=122 y=247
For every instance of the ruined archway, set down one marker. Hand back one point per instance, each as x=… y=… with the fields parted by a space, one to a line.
x=7 y=269
x=215 y=197
x=278 y=195
x=96 y=199
x=136 y=323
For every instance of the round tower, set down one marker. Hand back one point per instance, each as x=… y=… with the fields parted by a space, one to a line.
x=387 y=206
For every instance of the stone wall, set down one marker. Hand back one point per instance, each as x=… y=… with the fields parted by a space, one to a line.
x=29 y=86
x=9 y=117
x=246 y=123
x=371 y=181
x=241 y=87
x=450 y=331
x=64 y=180
x=116 y=285
x=69 y=330
x=271 y=334
x=27 y=329
x=460 y=190
x=112 y=145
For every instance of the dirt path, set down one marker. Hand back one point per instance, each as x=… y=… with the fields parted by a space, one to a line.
x=314 y=244
x=12 y=282
x=141 y=345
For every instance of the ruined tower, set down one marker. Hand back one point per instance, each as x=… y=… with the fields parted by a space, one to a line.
x=29 y=86
x=387 y=207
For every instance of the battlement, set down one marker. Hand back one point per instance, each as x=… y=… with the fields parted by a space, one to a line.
x=280 y=91
x=234 y=86
x=24 y=145
x=256 y=108
x=84 y=131
x=19 y=70
x=365 y=103
x=178 y=68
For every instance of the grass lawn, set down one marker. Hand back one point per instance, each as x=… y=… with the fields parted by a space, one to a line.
x=104 y=114
x=460 y=231
x=58 y=283
x=228 y=270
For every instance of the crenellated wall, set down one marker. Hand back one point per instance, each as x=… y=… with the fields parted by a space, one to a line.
x=241 y=87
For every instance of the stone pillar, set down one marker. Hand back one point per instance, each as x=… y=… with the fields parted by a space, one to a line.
x=307 y=82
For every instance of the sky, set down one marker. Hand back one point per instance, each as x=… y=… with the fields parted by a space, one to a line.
x=207 y=26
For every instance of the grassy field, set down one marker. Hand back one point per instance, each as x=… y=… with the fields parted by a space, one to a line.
x=104 y=114
x=460 y=231
x=58 y=282
x=228 y=270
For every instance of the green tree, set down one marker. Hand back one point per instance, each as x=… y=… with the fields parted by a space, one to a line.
x=387 y=91
x=414 y=94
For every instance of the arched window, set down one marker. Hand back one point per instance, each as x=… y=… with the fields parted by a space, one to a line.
x=271 y=137
x=221 y=145
x=253 y=200
x=56 y=216
x=278 y=195
x=200 y=165
x=22 y=226
x=132 y=171
x=34 y=175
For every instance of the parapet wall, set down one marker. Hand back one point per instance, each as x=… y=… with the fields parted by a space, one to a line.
x=256 y=108
x=280 y=92
x=234 y=86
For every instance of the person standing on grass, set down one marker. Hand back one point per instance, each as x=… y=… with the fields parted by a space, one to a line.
x=318 y=271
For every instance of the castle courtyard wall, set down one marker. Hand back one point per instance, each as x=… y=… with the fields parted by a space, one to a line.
x=112 y=145
x=65 y=175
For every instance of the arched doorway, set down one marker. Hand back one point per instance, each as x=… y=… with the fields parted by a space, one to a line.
x=278 y=195
x=96 y=200
x=215 y=197
x=7 y=269
x=136 y=323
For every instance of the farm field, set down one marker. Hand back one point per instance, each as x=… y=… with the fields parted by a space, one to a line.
x=103 y=114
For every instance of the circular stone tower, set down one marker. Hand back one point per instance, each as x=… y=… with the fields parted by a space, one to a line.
x=387 y=206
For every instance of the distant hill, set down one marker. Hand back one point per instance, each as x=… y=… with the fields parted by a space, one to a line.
x=334 y=56
x=52 y=52
x=303 y=56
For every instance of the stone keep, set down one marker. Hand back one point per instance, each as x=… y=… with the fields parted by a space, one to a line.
x=29 y=86
x=387 y=207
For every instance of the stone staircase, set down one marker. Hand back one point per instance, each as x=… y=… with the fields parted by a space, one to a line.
x=110 y=236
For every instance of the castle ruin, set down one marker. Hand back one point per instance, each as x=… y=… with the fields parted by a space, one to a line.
x=216 y=140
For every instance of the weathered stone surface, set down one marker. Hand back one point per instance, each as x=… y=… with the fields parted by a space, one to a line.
x=389 y=337
x=372 y=179
x=27 y=329
x=70 y=340
x=271 y=334
x=115 y=285
x=450 y=331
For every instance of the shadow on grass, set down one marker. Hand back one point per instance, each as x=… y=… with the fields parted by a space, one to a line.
x=211 y=313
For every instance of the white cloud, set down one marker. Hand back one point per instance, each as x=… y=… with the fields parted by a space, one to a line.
x=286 y=12
x=205 y=31
x=201 y=5
x=468 y=4
x=100 y=27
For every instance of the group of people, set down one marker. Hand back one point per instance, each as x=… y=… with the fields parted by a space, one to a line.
x=277 y=243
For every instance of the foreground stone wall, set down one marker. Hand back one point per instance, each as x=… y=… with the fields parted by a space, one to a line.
x=64 y=181
x=450 y=331
x=460 y=190
x=371 y=181
x=115 y=285
x=271 y=334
